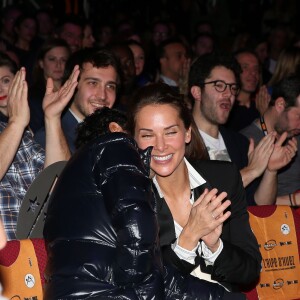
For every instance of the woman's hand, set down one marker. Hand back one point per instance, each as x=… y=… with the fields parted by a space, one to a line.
x=17 y=101
x=205 y=220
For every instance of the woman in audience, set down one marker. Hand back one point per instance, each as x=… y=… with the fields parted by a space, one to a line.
x=26 y=30
x=113 y=251
x=288 y=63
x=198 y=225
x=139 y=62
x=88 y=39
x=50 y=62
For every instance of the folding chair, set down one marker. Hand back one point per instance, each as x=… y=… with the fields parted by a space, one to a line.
x=277 y=229
x=22 y=266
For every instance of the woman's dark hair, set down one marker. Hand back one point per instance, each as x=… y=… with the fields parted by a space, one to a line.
x=38 y=72
x=6 y=61
x=97 y=124
x=161 y=94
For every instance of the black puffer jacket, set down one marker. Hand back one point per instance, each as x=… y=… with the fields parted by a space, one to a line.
x=101 y=231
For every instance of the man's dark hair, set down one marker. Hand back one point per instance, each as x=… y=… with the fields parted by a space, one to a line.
x=245 y=51
x=99 y=58
x=68 y=19
x=288 y=88
x=161 y=48
x=202 y=67
x=97 y=124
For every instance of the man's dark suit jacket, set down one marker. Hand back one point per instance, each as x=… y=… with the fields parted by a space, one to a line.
x=69 y=125
x=237 y=146
x=239 y=262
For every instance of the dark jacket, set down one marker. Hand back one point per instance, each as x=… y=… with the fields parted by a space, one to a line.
x=101 y=231
x=69 y=126
x=239 y=263
x=237 y=146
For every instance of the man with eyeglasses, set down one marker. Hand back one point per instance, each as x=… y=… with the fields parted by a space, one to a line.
x=214 y=85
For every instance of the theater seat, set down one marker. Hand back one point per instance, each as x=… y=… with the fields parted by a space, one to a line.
x=277 y=229
x=22 y=266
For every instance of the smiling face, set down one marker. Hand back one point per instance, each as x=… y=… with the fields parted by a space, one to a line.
x=160 y=126
x=72 y=34
x=54 y=63
x=96 y=89
x=215 y=106
x=6 y=78
x=250 y=72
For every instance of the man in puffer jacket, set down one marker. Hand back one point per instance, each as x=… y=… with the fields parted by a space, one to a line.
x=101 y=230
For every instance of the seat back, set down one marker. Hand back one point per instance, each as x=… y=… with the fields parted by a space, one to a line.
x=277 y=229
x=22 y=266
x=34 y=207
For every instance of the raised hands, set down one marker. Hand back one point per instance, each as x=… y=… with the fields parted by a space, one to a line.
x=205 y=221
x=55 y=102
x=258 y=156
x=262 y=99
x=282 y=154
x=17 y=101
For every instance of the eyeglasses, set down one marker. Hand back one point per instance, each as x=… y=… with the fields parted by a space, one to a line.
x=220 y=86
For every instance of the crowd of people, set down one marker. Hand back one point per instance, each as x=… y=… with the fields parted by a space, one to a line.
x=168 y=139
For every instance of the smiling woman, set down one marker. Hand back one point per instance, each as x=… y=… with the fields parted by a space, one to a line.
x=199 y=225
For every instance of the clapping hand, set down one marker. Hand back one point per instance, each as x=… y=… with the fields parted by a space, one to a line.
x=55 y=102
x=258 y=156
x=17 y=102
x=282 y=154
x=205 y=220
